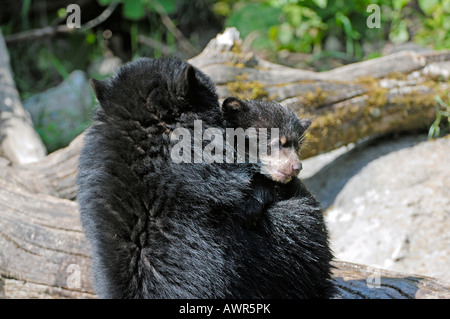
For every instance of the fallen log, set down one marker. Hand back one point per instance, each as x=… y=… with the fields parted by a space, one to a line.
x=43 y=247
x=44 y=253
x=371 y=101
x=42 y=244
x=389 y=94
x=54 y=175
x=342 y=112
x=19 y=142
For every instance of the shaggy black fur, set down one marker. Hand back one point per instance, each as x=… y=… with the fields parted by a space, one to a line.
x=165 y=230
x=264 y=114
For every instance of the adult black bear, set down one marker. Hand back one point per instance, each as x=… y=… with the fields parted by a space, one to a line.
x=159 y=229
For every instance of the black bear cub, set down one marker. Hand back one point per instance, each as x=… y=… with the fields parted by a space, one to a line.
x=160 y=229
x=276 y=173
x=275 y=186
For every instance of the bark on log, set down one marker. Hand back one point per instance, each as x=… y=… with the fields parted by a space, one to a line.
x=44 y=253
x=19 y=142
x=54 y=175
x=40 y=238
x=389 y=94
x=341 y=112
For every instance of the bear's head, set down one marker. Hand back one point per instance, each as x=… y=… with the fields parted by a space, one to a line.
x=162 y=89
x=281 y=161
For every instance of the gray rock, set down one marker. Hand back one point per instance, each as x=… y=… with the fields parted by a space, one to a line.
x=62 y=112
x=388 y=204
x=326 y=174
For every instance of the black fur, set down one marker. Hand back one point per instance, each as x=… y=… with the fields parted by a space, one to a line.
x=299 y=209
x=165 y=230
x=265 y=114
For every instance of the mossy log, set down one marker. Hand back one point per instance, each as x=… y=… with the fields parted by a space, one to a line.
x=385 y=95
x=44 y=253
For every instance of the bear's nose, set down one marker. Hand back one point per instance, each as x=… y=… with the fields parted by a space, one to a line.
x=296 y=168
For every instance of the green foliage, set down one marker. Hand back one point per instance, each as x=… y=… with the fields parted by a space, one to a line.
x=137 y=9
x=142 y=17
x=301 y=30
x=54 y=137
x=440 y=125
x=255 y=17
x=306 y=26
x=436 y=24
x=303 y=26
x=44 y=62
x=40 y=65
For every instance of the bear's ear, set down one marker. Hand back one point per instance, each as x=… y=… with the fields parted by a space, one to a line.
x=99 y=88
x=233 y=105
x=305 y=123
x=187 y=81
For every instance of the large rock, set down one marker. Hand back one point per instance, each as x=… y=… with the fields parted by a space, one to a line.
x=62 y=112
x=388 y=204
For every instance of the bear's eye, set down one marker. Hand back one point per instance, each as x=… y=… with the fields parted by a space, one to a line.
x=282 y=142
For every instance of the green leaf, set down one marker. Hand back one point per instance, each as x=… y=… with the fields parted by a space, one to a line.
x=253 y=16
x=428 y=5
x=104 y=2
x=90 y=38
x=168 y=6
x=61 y=13
x=285 y=33
x=320 y=3
x=221 y=8
x=399 y=33
x=134 y=9
x=399 y=4
x=293 y=13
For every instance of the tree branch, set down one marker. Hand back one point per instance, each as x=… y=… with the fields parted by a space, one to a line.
x=185 y=45
x=50 y=31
